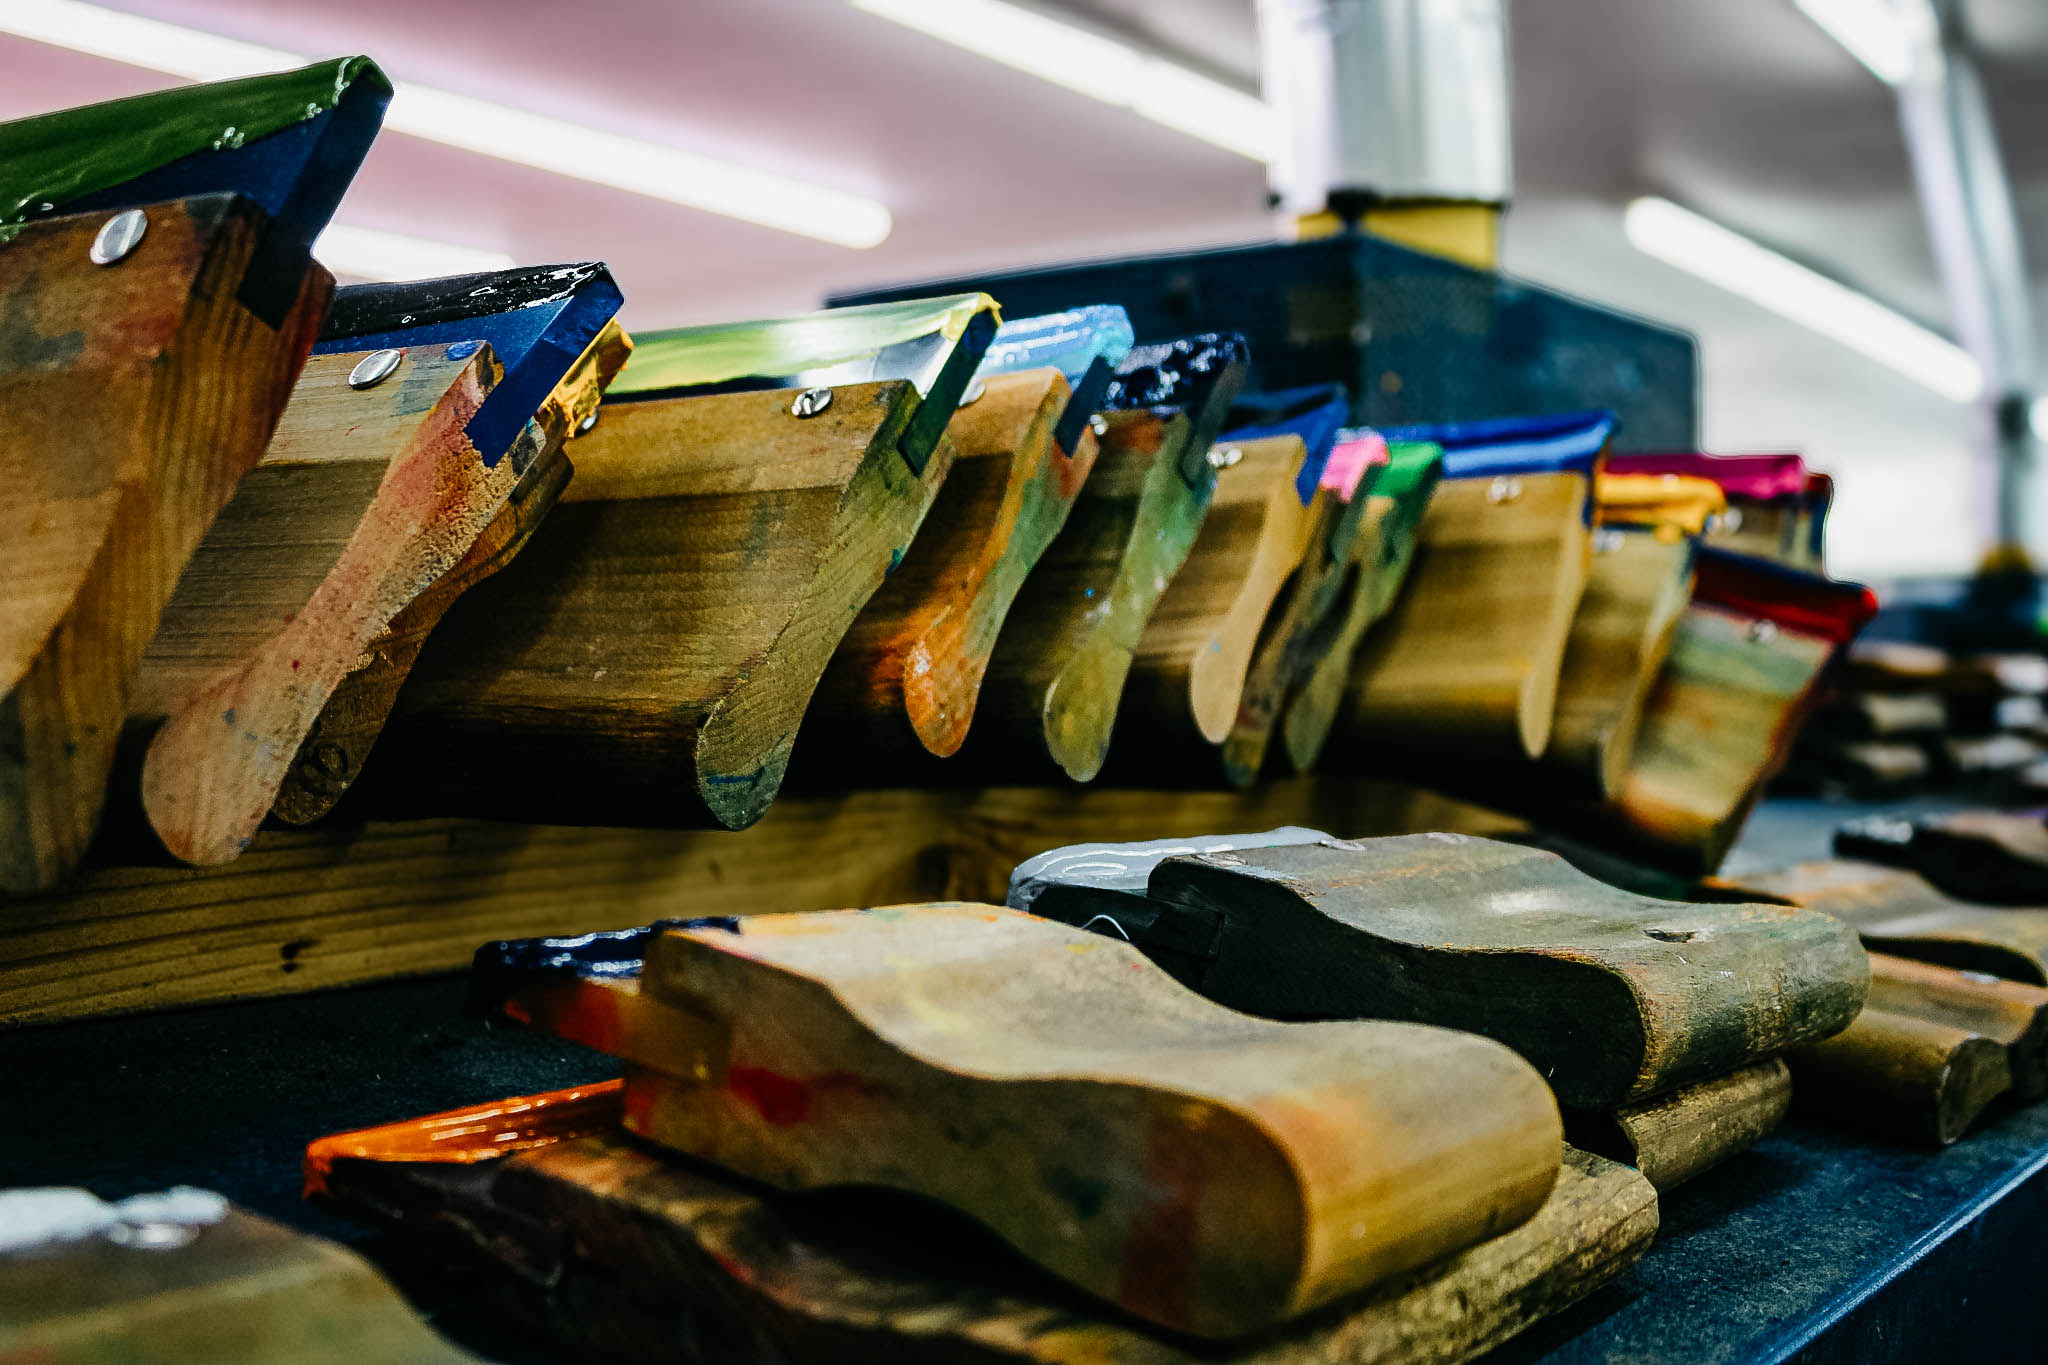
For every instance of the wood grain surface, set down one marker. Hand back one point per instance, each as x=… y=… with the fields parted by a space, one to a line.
x=903 y=684
x=241 y=1288
x=1675 y=1136
x=647 y=658
x=2009 y=1013
x=334 y=750
x=1055 y=682
x=1205 y=1171
x=680 y=1265
x=1387 y=538
x=1463 y=673
x=137 y=394
x=1188 y=675
x=365 y=497
x=1716 y=728
x=1612 y=996
x=336 y=904
x=1902 y=1075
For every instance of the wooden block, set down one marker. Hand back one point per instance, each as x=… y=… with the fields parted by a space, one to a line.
x=339 y=743
x=1910 y=1077
x=339 y=904
x=904 y=681
x=1673 y=1137
x=280 y=655
x=1738 y=682
x=1463 y=673
x=1987 y=856
x=1051 y=693
x=363 y=500
x=138 y=394
x=185 y=1277
x=1881 y=715
x=1386 y=547
x=1863 y=768
x=2011 y=1014
x=1298 y=627
x=678 y=1263
x=1056 y=679
x=1611 y=996
x=648 y=660
x=1188 y=674
x=1898 y=913
x=1206 y=1172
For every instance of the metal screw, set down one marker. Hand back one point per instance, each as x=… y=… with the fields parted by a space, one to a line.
x=1224 y=457
x=811 y=402
x=1731 y=520
x=587 y=423
x=1504 y=489
x=1098 y=424
x=1762 y=632
x=975 y=389
x=374 y=368
x=1606 y=541
x=118 y=236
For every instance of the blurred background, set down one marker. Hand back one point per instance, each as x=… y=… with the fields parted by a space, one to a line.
x=1749 y=112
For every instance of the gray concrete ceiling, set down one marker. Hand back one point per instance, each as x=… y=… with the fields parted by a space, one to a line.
x=1739 y=108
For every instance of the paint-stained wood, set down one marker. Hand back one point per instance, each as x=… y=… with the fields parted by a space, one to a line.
x=192 y=1287
x=1298 y=628
x=1902 y=1075
x=1463 y=673
x=1056 y=678
x=1717 y=726
x=2007 y=1012
x=1205 y=1171
x=1612 y=996
x=334 y=750
x=647 y=658
x=365 y=497
x=137 y=394
x=1988 y=856
x=338 y=904
x=1897 y=912
x=1673 y=1137
x=1387 y=536
x=677 y=1264
x=1188 y=674
x=1635 y=596
x=904 y=681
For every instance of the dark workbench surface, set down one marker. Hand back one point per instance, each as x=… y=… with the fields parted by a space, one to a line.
x=1819 y=1243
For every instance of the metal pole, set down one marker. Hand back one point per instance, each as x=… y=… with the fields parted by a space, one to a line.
x=1967 y=201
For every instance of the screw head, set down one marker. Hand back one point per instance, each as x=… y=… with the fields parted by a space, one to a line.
x=1762 y=632
x=975 y=389
x=1098 y=424
x=374 y=368
x=1504 y=489
x=1224 y=457
x=1731 y=520
x=1606 y=541
x=119 y=236
x=587 y=423
x=811 y=402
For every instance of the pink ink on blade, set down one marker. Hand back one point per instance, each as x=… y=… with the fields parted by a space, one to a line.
x=1760 y=477
x=1352 y=456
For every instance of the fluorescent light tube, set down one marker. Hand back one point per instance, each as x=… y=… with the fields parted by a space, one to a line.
x=567 y=149
x=373 y=254
x=1680 y=237
x=1096 y=66
x=1882 y=34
